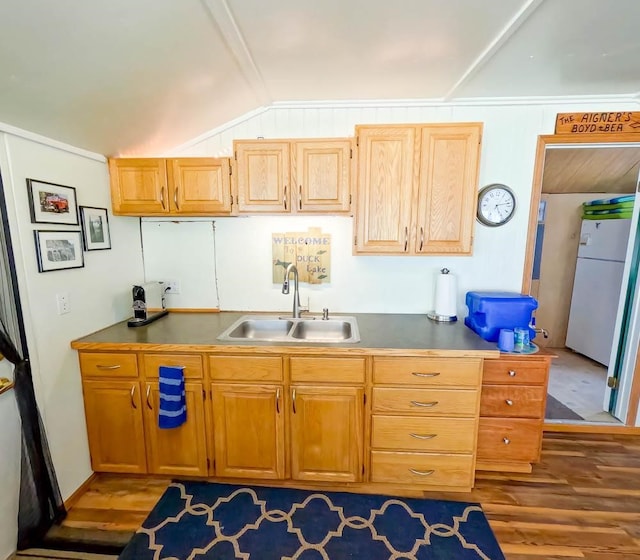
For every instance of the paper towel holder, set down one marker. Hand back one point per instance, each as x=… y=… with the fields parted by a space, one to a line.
x=442 y=318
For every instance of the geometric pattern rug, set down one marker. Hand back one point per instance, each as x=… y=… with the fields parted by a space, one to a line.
x=206 y=521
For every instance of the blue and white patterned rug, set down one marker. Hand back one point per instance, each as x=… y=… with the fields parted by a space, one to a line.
x=206 y=521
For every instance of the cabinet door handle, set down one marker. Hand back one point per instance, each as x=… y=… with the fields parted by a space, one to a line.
x=299 y=197
x=148 y=403
x=278 y=400
x=421 y=237
x=509 y=402
x=175 y=199
x=293 y=398
x=162 y=198
x=419 y=374
x=512 y=373
x=423 y=436
x=406 y=238
x=506 y=440
x=421 y=473
x=284 y=197
x=115 y=366
x=133 y=392
x=424 y=404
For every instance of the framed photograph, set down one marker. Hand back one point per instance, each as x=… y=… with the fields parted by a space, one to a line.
x=95 y=228
x=52 y=204
x=58 y=250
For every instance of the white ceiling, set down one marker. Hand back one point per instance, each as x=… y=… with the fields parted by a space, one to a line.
x=141 y=76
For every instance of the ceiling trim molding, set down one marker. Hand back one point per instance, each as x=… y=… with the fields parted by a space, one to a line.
x=494 y=46
x=221 y=16
x=39 y=139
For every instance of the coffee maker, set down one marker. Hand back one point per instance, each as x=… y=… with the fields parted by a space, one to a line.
x=148 y=303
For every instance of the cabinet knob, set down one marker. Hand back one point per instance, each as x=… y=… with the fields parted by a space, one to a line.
x=506 y=440
x=509 y=402
x=512 y=373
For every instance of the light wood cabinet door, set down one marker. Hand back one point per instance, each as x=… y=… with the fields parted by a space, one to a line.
x=248 y=430
x=139 y=186
x=386 y=156
x=199 y=186
x=327 y=433
x=321 y=173
x=448 y=181
x=263 y=176
x=180 y=451
x=115 y=427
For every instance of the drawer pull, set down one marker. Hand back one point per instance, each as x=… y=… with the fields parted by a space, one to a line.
x=418 y=374
x=423 y=436
x=422 y=473
x=512 y=373
x=509 y=402
x=116 y=366
x=424 y=404
x=506 y=440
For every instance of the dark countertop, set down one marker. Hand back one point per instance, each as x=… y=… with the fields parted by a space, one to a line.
x=402 y=334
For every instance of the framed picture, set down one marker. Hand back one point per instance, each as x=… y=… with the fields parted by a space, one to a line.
x=58 y=250
x=52 y=204
x=95 y=228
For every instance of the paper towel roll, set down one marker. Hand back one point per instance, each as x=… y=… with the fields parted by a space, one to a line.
x=446 y=294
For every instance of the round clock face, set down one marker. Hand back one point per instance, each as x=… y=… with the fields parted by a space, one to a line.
x=496 y=205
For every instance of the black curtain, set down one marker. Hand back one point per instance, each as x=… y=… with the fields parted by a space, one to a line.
x=40 y=501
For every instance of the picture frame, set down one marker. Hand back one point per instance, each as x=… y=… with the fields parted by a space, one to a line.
x=50 y=203
x=58 y=250
x=95 y=228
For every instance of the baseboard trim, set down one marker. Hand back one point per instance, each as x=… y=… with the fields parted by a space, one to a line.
x=592 y=429
x=71 y=500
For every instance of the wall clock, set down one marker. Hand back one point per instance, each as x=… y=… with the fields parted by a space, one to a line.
x=496 y=205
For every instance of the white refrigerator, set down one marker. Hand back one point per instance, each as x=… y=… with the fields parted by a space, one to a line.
x=596 y=287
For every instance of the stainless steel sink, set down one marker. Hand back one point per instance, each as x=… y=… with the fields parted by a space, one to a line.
x=287 y=329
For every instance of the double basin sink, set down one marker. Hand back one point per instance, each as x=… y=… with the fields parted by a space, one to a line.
x=263 y=328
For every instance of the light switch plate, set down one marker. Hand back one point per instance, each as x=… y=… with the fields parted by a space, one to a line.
x=62 y=299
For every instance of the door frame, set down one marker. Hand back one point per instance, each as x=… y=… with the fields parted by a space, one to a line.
x=545 y=140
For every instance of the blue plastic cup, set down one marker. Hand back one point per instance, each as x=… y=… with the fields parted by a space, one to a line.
x=506 y=340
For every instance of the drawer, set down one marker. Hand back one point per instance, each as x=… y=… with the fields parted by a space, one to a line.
x=514 y=371
x=423 y=469
x=192 y=364
x=245 y=368
x=457 y=372
x=509 y=439
x=107 y=364
x=426 y=401
x=520 y=401
x=455 y=435
x=330 y=370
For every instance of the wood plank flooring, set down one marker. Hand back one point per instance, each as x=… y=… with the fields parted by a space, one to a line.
x=581 y=501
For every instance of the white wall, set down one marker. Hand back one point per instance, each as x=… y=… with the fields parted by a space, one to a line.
x=99 y=292
x=9 y=466
x=361 y=284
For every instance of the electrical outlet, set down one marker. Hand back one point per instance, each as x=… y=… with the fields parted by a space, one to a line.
x=172 y=287
x=62 y=300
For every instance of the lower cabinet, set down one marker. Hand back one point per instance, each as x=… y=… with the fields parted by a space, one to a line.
x=327 y=427
x=115 y=427
x=181 y=450
x=248 y=433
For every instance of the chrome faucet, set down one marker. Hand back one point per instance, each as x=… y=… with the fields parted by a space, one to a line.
x=297 y=310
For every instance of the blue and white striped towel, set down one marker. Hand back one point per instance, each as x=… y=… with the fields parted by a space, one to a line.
x=173 y=403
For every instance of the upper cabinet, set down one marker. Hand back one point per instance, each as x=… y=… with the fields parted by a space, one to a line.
x=180 y=186
x=417 y=188
x=294 y=176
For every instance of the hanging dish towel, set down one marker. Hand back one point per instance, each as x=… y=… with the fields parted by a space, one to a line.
x=173 y=403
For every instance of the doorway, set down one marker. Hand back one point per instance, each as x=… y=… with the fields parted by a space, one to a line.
x=570 y=171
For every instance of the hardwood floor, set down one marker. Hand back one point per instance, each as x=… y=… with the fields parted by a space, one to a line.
x=581 y=501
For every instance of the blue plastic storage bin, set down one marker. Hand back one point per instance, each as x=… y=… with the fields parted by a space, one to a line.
x=491 y=311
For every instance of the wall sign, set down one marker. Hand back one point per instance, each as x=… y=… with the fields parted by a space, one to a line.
x=591 y=123
x=310 y=251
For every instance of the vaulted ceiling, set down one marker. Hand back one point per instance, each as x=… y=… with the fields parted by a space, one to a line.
x=142 y=76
